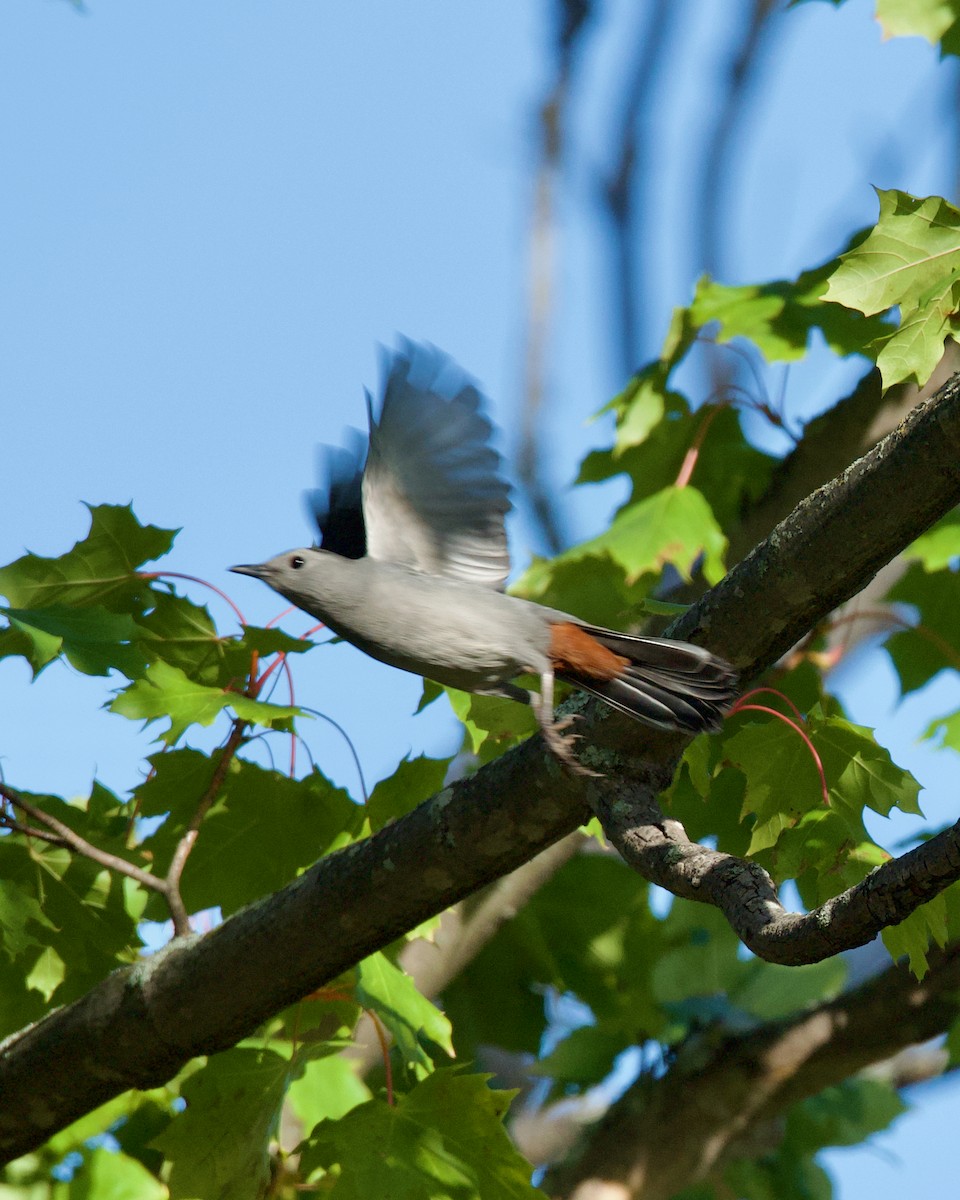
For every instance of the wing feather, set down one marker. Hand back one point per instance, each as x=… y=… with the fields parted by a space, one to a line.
x=433 y=496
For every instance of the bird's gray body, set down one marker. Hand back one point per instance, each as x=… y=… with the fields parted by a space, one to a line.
x=458 y=634
x=413 y=560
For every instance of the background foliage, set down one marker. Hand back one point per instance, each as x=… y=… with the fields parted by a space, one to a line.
x=595 y=966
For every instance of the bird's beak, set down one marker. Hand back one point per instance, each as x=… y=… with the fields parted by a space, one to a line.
x=257 y=570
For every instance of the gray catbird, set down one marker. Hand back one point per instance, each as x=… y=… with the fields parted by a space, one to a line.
x=413 y=558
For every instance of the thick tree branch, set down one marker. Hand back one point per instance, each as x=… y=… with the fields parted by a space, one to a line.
x=829 y=547
x=463 y=932
x=202 y=994
x=649 y=1145
x=658 y=847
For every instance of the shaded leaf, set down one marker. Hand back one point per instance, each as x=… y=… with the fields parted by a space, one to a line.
x=414 y=781
x=493 y=723
x=591 y=586
x=728 y=471
x=218 y=1147
x=19 y=910
x=444 y=1139
x=913 y=936
x=918 y=655
x=262 y=830
x=584 y=1057
x=326 y=1089
x=108 y=1175
x=93 y=639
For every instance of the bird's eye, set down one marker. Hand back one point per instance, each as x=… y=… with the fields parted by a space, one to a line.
x=297 y=562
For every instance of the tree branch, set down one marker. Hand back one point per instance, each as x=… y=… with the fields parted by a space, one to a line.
x=737 y=79
x=647 y=1145
x=63 y=835
x=623 y=191
x=199 y=995
x=824 y=552
x=572 y=17
x=463 y=933
x=659 y=849
x=171 y=881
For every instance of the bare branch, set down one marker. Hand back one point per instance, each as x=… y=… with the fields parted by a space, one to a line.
x=623 y=190
x=729 y=110
x=9 y=821
x=542 y=271
x=659 y=849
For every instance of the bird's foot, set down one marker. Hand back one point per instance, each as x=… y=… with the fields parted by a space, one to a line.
x=562 y=744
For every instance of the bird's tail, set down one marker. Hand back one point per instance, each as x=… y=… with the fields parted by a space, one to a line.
x=669 y=685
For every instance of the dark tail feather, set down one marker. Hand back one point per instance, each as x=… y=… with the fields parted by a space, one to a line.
x=669 y=685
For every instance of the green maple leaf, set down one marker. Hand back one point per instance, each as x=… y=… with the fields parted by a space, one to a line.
x=413 y=782
x=444 y=1138
x=166 y=691
x=393 y=995
x=912 y=937
x=93 y=639
x=100 y=569
x=779 y=317
x=639 y=407
x=935 y=20
x=939 y=547
x=910 y=260
x=675 y=526
x=274 y=827
x=783 y=791
x=918 y=655
x=219 y=1146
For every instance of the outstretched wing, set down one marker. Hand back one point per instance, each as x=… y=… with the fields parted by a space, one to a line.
x=433 y=498
x=336 y=504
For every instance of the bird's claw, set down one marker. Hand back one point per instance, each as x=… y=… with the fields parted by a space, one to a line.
x=562 y=745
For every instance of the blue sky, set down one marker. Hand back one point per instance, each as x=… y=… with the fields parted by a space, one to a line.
x=211 y=214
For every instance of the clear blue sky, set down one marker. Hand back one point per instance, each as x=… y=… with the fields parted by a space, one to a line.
x=211 y=213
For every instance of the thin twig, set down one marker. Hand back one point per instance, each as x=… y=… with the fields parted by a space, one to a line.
x=30 y=831
x=178 y=912
x=151 y=575
x=729 y=109
x=74 y=841
x=350 y=746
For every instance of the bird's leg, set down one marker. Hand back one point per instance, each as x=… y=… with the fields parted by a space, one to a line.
x=552 y=730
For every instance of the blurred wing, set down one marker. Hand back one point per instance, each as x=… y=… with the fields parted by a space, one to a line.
x=433 y=498
x=336 y=505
